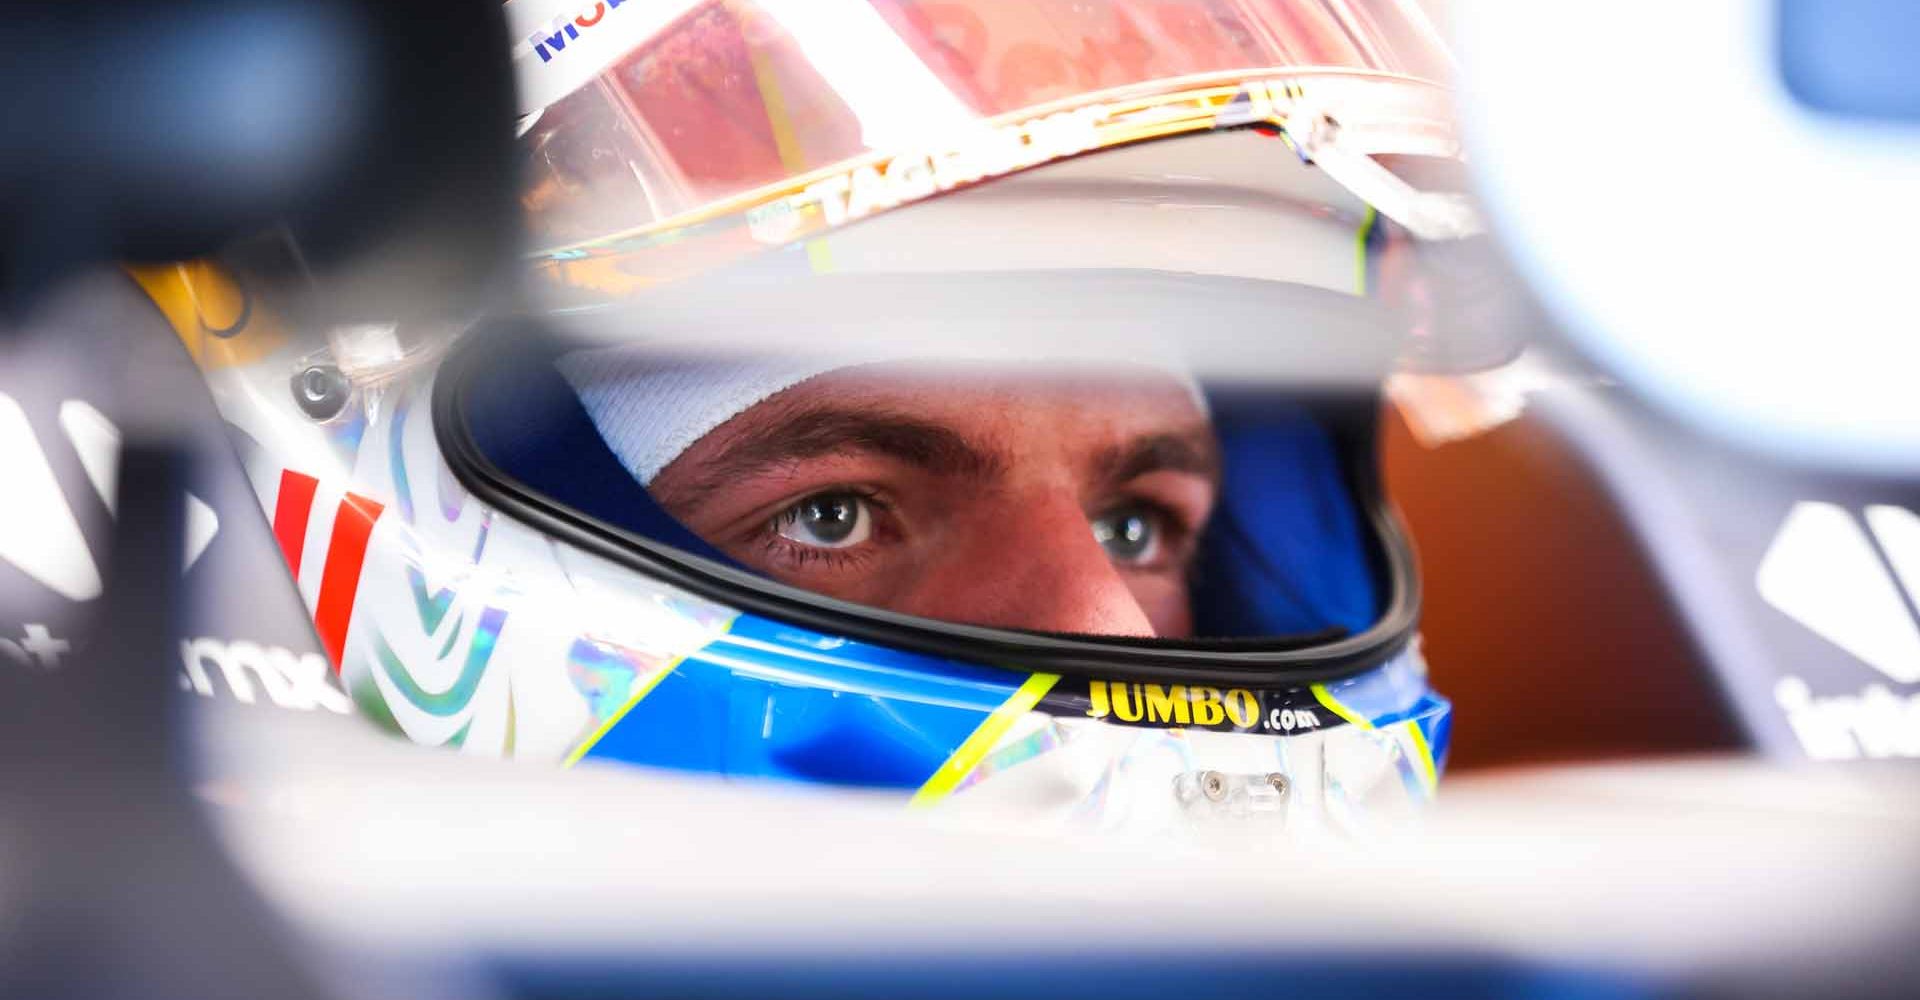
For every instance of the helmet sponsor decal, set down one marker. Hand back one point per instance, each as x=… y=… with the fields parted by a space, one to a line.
x=1231 y=710
x=551 y=39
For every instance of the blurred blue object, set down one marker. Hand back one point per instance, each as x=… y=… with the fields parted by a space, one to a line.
x=1854 y=58
x=1125 y=974
x=1285 y=554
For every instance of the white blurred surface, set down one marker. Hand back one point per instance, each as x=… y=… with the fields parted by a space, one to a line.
x=1689 y=869
x=1744 y=261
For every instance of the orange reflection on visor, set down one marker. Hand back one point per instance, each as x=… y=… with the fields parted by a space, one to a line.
x=776 y=106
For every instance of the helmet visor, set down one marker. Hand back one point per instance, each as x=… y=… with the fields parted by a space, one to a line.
x=640 y=119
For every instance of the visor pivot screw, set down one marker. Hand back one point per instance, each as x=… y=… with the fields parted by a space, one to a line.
x=1278 y=782
x=1213 y=785
x=321 y=391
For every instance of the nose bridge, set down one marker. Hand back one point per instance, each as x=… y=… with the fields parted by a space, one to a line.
x=1043 y=571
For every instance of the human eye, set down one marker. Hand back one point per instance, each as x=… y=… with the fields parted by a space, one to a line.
x=833 y=519
x=1133 y=535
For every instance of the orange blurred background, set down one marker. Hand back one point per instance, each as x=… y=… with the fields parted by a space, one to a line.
x=1543 y=621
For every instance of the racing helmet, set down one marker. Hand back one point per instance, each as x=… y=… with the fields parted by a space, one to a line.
x=1067 y=220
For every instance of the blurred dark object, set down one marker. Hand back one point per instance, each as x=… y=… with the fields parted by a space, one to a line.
x=1854 y=58
x=117 y=887
x=373 y=139
x=376 y=134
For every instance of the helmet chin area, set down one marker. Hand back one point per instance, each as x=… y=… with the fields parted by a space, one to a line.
x=763 y=700
x=1251 y=765
x=1072 y=775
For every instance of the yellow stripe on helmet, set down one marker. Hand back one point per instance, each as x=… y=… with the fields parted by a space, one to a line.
x=976 y=746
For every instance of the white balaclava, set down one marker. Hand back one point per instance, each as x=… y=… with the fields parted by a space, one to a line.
x=650 y=409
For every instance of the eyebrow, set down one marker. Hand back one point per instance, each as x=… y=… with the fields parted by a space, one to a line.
x=812 y=433
x=1192 y=451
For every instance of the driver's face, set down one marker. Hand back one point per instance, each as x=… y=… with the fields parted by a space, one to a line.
x=1064 y=504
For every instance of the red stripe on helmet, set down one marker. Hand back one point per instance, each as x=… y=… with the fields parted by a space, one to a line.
x=352 y=526
x=290 y=515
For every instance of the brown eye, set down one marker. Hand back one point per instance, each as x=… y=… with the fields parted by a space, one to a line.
x=1130 y=535
x=827 y=521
